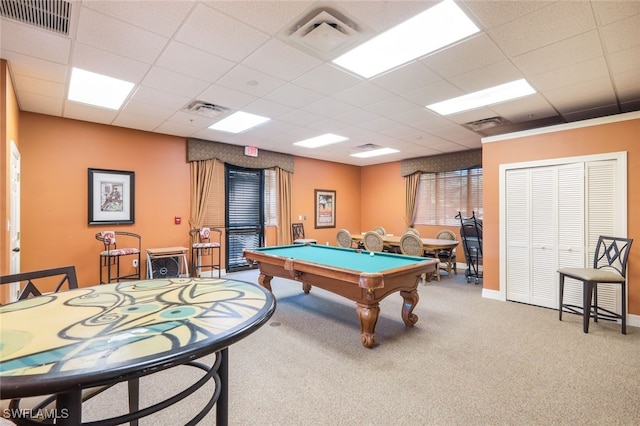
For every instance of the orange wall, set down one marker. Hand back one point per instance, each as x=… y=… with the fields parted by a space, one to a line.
x=312 y=174
x=56 y=154
x=612 y=137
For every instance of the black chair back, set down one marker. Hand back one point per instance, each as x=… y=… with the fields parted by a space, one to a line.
x=64 y=275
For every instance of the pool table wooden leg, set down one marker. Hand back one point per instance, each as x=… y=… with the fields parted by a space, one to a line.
x=368 y=318
x=265 y=281
x=410 y=301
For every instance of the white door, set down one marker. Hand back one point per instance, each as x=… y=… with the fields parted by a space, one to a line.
x=14 y=218
x=517 y=214
x=554 y=214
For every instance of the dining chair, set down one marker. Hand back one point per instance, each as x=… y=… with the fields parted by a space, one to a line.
x=447 y=257
x=411 y=244
x=114 y=250
x=204 y=246
x=343 y=237
x=373 y=241
x=609 y=267
x=297 y=231
x=380 y=230
x=37 y=283
x=412 y=230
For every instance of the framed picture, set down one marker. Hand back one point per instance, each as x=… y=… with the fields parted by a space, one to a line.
x=111 y=197
x=325 y=208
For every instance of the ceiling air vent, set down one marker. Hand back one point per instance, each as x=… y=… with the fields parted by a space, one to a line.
x=325 y=32
x=368 y=147
x=52 y=15
x=206 y=109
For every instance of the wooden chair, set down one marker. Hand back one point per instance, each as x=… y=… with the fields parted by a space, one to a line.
x=297 y=231
x=203 y=246
x=344 y=239
x=447 y=257
x=609 y=267
x=114 y=250
x=373 y=241
x=35 y=283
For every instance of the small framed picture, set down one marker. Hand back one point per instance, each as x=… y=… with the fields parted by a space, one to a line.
x=325 y=207
x=111 y=197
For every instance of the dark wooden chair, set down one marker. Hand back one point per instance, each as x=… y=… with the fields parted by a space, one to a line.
x=119 y=244
x=34 y=284
x=205 y=243
x=297 y=231
x=609 y=267
x=35 y=281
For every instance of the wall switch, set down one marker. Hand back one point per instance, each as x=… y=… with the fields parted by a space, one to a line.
x=299 y=217
x=135 y=263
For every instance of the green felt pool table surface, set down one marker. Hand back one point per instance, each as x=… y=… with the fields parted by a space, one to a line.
x=350 y=273
x=338 y=257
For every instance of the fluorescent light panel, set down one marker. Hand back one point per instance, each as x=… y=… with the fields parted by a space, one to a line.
x=239 y=122
x=96 y=89
x=433 y=29
x=492 y=95
x=322 y=140
x=375 y=153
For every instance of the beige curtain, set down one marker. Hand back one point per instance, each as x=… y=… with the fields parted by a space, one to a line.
x=411 y=188
x=283 y=236
x=201 y=178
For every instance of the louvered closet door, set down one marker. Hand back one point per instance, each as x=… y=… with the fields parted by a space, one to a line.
x=518 y=213
x=571 y=227
x=543 y=226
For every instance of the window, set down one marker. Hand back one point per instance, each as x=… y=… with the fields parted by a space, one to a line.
x=442 y=195
x=270 y=198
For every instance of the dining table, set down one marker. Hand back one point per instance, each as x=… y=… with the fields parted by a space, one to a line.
x=64 y=343
x=430 y=245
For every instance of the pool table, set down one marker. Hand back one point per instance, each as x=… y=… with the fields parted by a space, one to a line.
x=351 y=273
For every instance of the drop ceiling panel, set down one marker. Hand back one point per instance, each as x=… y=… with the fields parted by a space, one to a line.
x=250 y=81
x=161 y=17
x=36 y=42
x=205 y=28
x=193 y=62
x=99 y=61
x=547 y=25
x=622 y=34
x=179 y=84
x=281 y=60
x=327 y=79
x=112 y=35
x=583 y=58
x=570 y=51
x=476 y=52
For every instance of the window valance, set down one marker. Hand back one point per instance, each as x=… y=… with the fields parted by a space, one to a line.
x=442 y=163
x=200 y=149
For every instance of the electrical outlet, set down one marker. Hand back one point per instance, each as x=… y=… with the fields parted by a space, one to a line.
x=135 y=263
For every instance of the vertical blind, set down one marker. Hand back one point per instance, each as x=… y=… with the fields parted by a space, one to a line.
x=442 y=195
x=270 y=198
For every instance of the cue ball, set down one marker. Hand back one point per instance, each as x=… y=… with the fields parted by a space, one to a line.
x=371 y=254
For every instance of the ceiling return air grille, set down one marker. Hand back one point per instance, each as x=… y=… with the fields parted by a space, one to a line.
x=206 y=109
x=52 y=15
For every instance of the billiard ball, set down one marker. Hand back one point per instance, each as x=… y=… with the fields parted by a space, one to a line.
x=371 y=254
